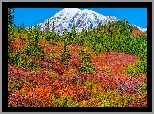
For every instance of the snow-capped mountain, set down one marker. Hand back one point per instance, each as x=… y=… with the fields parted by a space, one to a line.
x=68 y=17
x=65 y=19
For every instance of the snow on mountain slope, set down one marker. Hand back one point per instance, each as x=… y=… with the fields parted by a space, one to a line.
x=142 y=29
x=68 y=17
x=65 y=19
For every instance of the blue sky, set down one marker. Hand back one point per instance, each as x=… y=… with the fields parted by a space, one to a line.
x=32 y=16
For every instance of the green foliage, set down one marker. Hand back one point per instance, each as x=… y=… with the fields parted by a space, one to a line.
x=129 y=70
x=137 y=69
x=47 y=36
x=63 y=101
x=65 y=56
x=18 y=60
x=73 y=35
x=14 y=85
x=105 y=103
x=33 y=49
x=98 y=47
x=141 y=67
x=113 y=99
x=85 y=66
x=10 y=53
x=52 y=55
x=143 y=88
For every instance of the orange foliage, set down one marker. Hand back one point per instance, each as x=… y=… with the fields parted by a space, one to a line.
x=137 y=33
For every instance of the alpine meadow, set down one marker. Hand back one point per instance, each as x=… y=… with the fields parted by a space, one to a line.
x=103 y=65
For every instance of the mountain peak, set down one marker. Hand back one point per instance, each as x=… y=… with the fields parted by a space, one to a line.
x=68 y=17
x=71 y=9
x=67 y=11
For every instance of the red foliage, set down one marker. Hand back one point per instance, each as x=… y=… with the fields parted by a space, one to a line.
x=111 y=65
x=122 y=84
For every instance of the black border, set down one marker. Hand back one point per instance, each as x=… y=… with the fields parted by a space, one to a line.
x=6 y=5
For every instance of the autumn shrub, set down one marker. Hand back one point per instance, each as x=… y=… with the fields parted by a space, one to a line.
x=64 y=86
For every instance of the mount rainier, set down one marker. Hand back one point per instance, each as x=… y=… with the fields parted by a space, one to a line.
x=68 y=17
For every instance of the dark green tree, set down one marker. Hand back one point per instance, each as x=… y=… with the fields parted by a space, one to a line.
x=47 y=26
x=10 y=16
x=53 y=27
x=73 y=33
x=84 y=33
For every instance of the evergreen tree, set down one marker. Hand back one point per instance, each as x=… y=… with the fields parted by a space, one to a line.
x=91 y=25
x=99 y=26
x=10 y=16
x=64 y=37
x=84 y=33
x=73 y=31
x=73 y=34
x=53 y=27
x=47 y=26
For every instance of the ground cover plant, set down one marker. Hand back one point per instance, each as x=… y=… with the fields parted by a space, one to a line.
x=102 y=67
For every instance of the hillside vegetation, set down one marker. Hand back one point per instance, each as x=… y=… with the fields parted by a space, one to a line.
x=101 y=67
